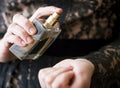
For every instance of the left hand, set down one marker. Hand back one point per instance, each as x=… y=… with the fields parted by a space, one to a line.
x=67 y=74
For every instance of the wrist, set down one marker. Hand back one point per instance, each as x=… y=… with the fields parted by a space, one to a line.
x=5 y=55
x=88 y=63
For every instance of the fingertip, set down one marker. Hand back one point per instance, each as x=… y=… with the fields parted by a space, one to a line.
x=32 y=30
x=59 y=10
x=56 y=9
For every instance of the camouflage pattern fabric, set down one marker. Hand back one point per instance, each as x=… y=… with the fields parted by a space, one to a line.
x=83 y=20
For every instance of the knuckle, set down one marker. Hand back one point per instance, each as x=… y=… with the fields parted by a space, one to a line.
x=39 y=10
x=48 y=79
x=16 y=16
x=41 y=74
x=11 y=26
x=42 y=71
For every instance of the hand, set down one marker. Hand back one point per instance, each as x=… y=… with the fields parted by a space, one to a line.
x=20 y=31
x=67 y=74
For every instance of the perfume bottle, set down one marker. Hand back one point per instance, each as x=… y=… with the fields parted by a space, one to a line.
x=45 y=36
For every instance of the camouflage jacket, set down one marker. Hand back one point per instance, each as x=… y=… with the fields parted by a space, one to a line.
x=81 y=20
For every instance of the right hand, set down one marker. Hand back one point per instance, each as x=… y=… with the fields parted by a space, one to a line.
x=68 y=73
x=20 y=31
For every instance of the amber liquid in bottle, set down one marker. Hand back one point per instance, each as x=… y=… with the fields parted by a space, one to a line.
x=46 y=34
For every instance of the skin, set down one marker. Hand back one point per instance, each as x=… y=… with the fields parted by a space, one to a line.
x=65 y=74
x=21 y=30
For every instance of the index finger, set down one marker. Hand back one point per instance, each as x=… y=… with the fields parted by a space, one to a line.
x=45 y=11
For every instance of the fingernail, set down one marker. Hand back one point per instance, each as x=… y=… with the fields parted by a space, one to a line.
x=32 y=31
x=29 y=39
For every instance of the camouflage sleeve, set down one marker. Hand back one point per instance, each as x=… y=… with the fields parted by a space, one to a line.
x=82 y=8
x=2 y=23
x=86 y=7
x=107 y=59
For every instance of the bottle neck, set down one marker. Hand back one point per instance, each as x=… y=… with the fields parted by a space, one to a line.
x=51 y=20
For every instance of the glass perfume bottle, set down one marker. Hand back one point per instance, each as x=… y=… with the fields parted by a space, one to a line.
x=45 y=36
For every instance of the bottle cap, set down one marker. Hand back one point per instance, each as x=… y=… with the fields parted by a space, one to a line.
x=51 y=20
